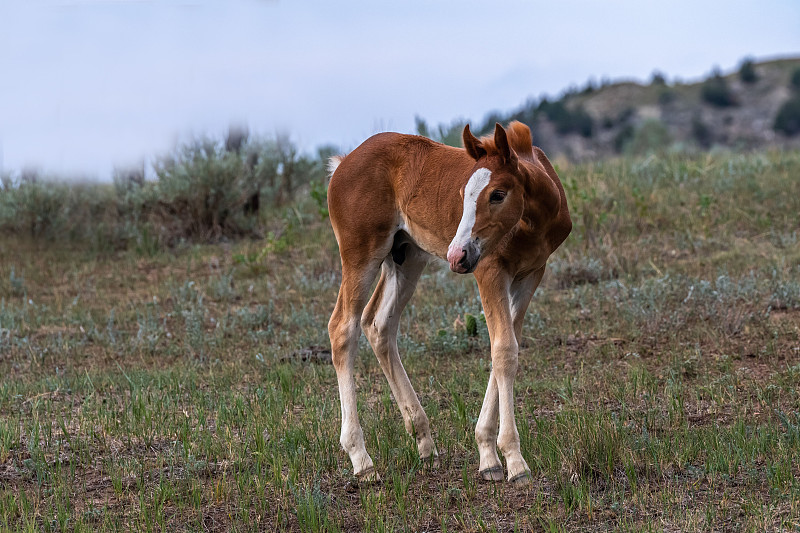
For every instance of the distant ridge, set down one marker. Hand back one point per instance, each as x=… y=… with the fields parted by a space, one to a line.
x=735 y=110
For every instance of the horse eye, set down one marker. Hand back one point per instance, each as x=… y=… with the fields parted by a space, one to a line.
x=497 y=196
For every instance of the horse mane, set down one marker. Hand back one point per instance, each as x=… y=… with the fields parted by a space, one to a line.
x=519 y=138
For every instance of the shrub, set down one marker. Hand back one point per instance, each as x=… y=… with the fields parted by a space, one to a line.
x=716 y=92
x=495 y=116
x=651 y=136
x=666 y=96
x=747 y=72
x=626 y=114
x=794 y=79
x=701 y=132
x=557 y=113
x=623 y=138
x=658 y=78
x=32 y=207
x=206 y=190
x=202 y=192
x=787 y=121
x=566 y=120
x=450 y=134
x=134 y=201
x=43 y=208
x=421 y=126
x=582 y=122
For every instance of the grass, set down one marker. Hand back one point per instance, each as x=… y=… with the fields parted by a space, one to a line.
x=658 y=384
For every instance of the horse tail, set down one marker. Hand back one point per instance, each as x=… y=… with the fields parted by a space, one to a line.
x=333 y=164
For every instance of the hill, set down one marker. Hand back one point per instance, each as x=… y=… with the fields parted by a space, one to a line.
x=737 y=110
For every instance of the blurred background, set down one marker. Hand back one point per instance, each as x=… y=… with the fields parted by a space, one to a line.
x=90 y=85
x=161 y=122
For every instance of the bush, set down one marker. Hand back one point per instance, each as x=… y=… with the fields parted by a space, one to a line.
x=701 y=132
x=421 y=126
x=716 y=92
x=42 y=208
x=206 y=190
x=651 y=136
x=666 y=96
x=495 y=116
x=626 y=115
x=557 y=113
x=449 y=134
x=787 y=121
x=622 y=138
x=566 y=120
x=747 y=72
x=582 y=122
x=658 y=78
x=32 y=207
x=794 y=79
x=202 y=192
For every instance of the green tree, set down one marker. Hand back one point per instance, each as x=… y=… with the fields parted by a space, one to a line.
x=658 y=78
x=701 y=132
x=716 y=92
x=747 y=71
x=787 y=121
x=794 y=80
x=422 y=126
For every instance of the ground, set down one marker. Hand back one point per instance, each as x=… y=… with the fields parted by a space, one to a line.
x=191 y=389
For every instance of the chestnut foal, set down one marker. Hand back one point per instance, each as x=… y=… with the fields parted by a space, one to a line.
x=496 y=209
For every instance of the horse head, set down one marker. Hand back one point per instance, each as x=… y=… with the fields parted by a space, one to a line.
x=495 y=194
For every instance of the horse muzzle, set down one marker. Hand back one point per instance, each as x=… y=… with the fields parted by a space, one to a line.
x=463 y=259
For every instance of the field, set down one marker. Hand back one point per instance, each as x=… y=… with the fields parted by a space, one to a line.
x=189 y=389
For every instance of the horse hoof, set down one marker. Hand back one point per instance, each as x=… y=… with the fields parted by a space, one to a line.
x=494 y=473
x=365 y=478
x=368 y=476
x=523 y=479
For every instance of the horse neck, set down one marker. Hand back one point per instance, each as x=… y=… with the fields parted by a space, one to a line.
x=428 y=192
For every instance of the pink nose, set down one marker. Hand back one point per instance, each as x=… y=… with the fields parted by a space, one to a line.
x=454 y=257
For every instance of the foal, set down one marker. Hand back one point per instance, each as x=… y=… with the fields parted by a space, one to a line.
x=495 y=208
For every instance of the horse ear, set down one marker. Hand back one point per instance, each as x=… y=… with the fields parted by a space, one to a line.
x=501 y=141
x=472 y=145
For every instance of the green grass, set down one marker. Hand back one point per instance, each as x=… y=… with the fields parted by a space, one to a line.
x=658 y=384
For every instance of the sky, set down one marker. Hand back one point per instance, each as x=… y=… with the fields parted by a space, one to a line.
x=89 y=85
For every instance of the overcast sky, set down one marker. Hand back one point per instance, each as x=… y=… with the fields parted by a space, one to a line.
x=87 y=84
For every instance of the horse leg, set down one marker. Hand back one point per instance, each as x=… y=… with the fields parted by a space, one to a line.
x=486 y=430
x=344 y=330
x=490 y=468
x=380 y=322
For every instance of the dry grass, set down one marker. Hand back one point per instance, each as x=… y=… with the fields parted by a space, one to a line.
x=189 y=390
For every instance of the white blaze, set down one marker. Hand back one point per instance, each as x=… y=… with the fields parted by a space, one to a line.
x=477 y=182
